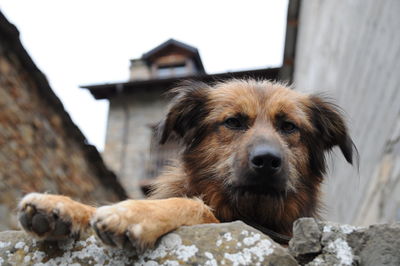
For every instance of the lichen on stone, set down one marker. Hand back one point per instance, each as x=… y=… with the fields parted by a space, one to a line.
x=248 y=241
x=19 y=245
x=342 y=250
x=211 y=260
x=245 y=257
x=4 y=244
x=227 y=236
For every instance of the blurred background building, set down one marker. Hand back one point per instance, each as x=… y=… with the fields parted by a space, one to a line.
x=137 y=106
x=348 y=49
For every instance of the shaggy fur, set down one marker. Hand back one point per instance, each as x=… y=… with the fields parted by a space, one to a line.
x=253 y=151
x=214 y=154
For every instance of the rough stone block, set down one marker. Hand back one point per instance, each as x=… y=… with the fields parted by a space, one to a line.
x=306 y=237
x=342 y=244
x=212 y=244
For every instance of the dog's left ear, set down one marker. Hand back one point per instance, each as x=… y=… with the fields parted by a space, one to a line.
x=186 y=113
x=332 y=129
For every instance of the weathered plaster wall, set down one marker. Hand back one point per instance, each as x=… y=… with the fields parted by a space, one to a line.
x=129 y=133
x=350 y=49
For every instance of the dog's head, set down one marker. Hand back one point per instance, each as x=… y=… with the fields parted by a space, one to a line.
x=258 y=137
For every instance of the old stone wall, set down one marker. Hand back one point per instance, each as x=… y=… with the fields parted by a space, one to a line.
x=351 y=51
x=40 y=147
x=313 y=243
x=129 y=132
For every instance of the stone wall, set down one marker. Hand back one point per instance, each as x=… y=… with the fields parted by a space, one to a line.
x=41 y=149
x=313 y=243
x=129 y=132
x=350 y=49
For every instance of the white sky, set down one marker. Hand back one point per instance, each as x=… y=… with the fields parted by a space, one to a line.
x=91 y=41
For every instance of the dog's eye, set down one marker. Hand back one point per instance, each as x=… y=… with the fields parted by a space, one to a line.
x=233 y=123
x=288 y=127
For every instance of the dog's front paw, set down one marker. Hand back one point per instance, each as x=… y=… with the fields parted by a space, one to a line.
x=139 y=224
x=53 y=217
x=128 y=224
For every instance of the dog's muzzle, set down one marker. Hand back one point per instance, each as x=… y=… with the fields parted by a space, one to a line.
x=265 y=160
x=264 y=169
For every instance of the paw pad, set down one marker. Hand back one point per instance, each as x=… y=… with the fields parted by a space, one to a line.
x=44 y=224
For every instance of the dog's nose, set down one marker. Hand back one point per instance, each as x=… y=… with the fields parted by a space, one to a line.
x=265 y=159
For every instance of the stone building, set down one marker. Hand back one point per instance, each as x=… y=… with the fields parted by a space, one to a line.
x=138 y=105
x=41 y=149
x=351 y=50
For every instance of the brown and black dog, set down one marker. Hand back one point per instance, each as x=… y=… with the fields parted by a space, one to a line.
x=253 y=151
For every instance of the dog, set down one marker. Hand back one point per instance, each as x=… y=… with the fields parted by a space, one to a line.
x=252 y=151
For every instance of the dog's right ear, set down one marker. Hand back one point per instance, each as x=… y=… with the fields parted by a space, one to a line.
x=186 y=114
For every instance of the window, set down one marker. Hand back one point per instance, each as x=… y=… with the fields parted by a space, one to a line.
x=164 y=72
x=180 y=70
x=171 y=71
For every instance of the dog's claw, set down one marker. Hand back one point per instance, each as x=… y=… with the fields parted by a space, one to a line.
x=117 y=229
x=110 y=238
x=105 y=237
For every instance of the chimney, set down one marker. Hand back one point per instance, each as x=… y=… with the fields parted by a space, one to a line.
x=139 y=70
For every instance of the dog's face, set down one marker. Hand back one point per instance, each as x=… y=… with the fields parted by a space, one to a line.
x=255 y=137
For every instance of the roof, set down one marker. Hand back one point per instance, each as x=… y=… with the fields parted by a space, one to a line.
x=9 y=35
x=171 y=44
x=106 y=91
